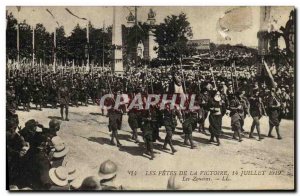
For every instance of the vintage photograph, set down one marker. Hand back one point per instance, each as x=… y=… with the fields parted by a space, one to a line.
x=150 y=98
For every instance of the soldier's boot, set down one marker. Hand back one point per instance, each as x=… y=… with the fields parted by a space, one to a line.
x=67 y=112
x=239 y=135
x=218 y=141
x=200 y=127
x=165 y=145
x=134 y=137
x=151 y=150
x=62 y=113
x=191 y=141
x=277 y=131
x=251 y=130
x=234 y=136
x=117 y=139
x=167 y=138
x=258 y=132
x=186 y=140
x=112 y=142
x=211 y=138
x=203 y=128
x=102 y=112
x=172 y=147
x=270 y=132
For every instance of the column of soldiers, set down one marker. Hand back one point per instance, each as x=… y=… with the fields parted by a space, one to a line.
x=239 y=96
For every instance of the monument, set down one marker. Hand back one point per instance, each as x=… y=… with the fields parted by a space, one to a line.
x=117 y=65
x=152 y=43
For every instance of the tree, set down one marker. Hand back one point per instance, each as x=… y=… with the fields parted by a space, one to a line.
x=25 y=41
x=76 y=44
x=100 y=44
x=43 y=44
x=61 y=44
x=172 y=36
x=67 y=47
x=11 y=37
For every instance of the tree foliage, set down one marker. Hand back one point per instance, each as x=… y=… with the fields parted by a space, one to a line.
x=172 y=36
x=68 y=48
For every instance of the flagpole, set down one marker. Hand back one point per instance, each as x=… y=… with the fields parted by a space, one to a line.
x=18 y=38
x=87 y=37
x=54 y=55
x=103 y=45
x=18 y=44
x=33 y=46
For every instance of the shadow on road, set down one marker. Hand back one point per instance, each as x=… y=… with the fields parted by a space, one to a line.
x=54 y=117
x=95 y=114
x=100 y=140
x=133 y=150
x=226 y=128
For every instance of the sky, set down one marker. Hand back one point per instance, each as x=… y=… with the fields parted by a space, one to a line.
x=203 y=19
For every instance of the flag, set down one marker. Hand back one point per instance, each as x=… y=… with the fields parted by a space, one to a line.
x=269 y=72
x=47 y=10
x=74 y=14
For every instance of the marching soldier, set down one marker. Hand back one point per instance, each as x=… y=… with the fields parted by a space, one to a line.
x=274 y=114
x=148 y=133
x=256 y=111
x=189 y=125
x=37 y=96
x=217 y=110
x=115 y=122
x=170 y=122
x=53 y=94
x=64 y=98
x=237 y=115
x=133 y=121
x=203 y=112
x=25 y=98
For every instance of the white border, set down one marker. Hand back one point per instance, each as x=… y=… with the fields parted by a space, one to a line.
x=5 y=3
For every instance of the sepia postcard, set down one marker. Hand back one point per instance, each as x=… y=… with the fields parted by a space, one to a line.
x=150 y=98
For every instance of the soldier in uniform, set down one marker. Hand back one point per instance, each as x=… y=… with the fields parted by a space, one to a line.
x=203 y=112
x=274 y=114
x=37 y=96
x=236 y=114
x=74 y=95
x=256 y=112
x=217 y=110
x=189 y=125
x=64 y=98
x=25 y=98
x=53 y=95
x=83 y=93
x=133 y=121
x=148 y=130
x=246 y=105
x=115 y=122
x=170 y=122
